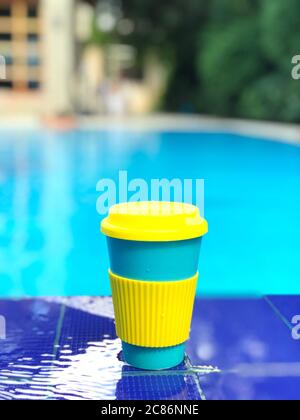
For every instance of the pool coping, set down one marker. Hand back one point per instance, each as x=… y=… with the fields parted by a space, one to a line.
x=273 y=131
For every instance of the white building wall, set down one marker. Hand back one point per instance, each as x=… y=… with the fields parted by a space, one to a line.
x=59 y=55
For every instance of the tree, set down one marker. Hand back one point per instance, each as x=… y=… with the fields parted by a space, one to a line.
x=226 y=57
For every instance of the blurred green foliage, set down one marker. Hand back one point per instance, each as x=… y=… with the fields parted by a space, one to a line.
x=228 y=57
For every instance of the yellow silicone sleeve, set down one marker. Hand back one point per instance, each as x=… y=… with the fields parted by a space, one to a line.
x=153 y=314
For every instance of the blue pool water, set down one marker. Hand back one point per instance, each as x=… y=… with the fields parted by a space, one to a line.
x=50 y=242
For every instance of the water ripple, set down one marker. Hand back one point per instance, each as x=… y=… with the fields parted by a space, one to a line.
x=94 y=374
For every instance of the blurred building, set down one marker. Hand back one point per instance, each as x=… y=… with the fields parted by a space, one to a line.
x=49 y=72
x=36 y=40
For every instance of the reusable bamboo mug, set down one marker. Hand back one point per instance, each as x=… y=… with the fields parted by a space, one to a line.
x=154 y=251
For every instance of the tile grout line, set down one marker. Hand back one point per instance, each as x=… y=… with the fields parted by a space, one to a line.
x=57 y=337
x=194 y=370
x=278 y=313
x=196 y=378
x=59 y=329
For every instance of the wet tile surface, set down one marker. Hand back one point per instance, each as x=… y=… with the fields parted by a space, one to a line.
x=64 y=348
x=238 y=387
x=227 y=333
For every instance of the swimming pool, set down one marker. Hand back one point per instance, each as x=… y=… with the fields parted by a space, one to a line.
x=50 y=242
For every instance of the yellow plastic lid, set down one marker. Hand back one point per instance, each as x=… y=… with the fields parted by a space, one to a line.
x=154 y=221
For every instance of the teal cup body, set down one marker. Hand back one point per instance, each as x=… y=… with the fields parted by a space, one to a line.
x=154 y=261
x=157 y=262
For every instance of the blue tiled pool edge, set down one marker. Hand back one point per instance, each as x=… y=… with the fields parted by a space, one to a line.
x=60 y=344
